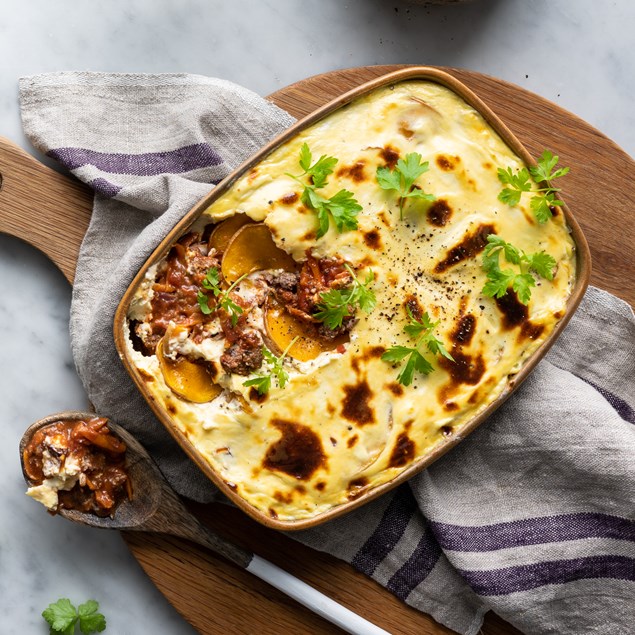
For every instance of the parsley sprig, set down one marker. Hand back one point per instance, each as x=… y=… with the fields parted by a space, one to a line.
x=342 y=207
x=263 y=382
x=545 y=197
x=500 y=280
x=337 y=304
x=211 y=282
x=422 y=331
x=62 y=617
x=402 y=179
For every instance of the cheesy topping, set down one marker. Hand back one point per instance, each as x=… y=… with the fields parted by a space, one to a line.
x=343 y=424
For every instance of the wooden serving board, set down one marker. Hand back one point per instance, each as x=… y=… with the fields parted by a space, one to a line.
x=52 y=212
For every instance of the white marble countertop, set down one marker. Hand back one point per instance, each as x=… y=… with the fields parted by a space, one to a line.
x=578 y=53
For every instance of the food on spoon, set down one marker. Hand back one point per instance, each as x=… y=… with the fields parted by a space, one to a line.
x=347 y=324
x=77 y=465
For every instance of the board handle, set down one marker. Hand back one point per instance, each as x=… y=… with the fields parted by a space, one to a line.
x=42 y=207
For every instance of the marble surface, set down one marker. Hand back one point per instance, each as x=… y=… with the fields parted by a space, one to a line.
x=577 y=53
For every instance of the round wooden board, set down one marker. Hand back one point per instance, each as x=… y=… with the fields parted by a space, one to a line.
x=52 y=212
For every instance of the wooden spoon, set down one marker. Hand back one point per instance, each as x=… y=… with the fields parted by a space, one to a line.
x=155 y=507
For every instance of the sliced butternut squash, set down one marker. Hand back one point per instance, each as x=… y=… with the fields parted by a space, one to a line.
x=282 y=328
x=252 y=249
x=225 y=230
x=186 y=379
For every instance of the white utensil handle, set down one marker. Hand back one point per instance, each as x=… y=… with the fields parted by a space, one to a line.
x=312 y=598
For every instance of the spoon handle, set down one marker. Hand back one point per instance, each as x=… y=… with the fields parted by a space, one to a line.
x=263 y=569
x=312 y=598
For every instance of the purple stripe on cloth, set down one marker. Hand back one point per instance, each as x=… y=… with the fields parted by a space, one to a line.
x=531 y=576
x=192 y=157
x=417 y=568
x=619 y=405
x=105 y=188
x=390 y=529
x=533 y=531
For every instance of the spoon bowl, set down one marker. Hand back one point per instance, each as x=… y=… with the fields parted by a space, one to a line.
x=146 y=479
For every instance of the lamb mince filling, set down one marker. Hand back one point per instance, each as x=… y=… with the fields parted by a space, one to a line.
x=244 y=286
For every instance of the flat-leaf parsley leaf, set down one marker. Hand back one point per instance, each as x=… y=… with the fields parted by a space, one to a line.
x=342 y=207
x=62 y=617
x=262 y=383
x=211 y=282
x=500 y=280
x=402 y=179
x=544 y=198
x=422 y=331
x=337 y=304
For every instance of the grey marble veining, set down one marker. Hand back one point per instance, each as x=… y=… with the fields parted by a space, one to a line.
x=578 y=53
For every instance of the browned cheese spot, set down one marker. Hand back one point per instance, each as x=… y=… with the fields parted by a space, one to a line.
x=352 y=441
x=354 y=172
x=413 y=307
x=390 y=156
x=367 y=261
x=284 y=497
x=253 y=173
x=515 y=314
x=465 y=369
x=356 y=487
x=171 y=408
x=487 y=165
x=232 y=486
x=403 y=452
x=254 y=395
x=464 y=331
x=145 y=375
x=439 y=213
x=405 y=130
x=384 y=219
x=558 y=314
x=272 y=513
x=471 y=245
x=374 y=352
x=330 y=408
x=356 y=404
x=290 y=199
x=395 y=388
x=310 y=236
x=446 y=163
x=320 y=486
x=392 y=278
x=447 y=431
x=298 y=452
x=372 y=239
x=531 y=331
x=333 y=441
x=450 y=406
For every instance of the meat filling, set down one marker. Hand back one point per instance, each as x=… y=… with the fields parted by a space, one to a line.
x=244 y=356
x=179 y=285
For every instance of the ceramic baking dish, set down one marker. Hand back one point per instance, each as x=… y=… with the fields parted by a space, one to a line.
x=294 y=498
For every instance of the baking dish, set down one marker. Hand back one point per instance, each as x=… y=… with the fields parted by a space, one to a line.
x=304 y=495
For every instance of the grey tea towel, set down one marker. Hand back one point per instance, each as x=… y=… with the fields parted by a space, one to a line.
x=532 y=516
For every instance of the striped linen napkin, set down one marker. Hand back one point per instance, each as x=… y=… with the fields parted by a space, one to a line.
x=533 y=516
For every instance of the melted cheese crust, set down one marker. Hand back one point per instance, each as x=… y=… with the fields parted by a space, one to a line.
x=343 y=424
